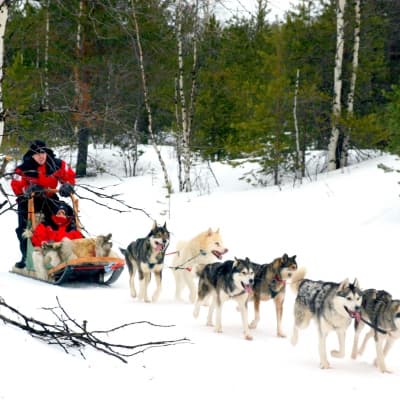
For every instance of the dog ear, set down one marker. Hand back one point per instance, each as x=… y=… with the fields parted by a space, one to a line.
x=343 y=284
x=165 y=225
x=209 y=232
x=284 y=258
x=217 y=231
x=355 y=283
x=154 y=225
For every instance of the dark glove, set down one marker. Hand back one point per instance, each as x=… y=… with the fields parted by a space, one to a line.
x=32 y=189
x=66 y=189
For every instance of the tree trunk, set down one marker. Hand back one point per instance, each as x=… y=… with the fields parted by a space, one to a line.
x=184 y=115
x=45 y=100
x=178 y=138
x=82 y=95
x=299 y=158
x=3 y=23
x=337 y=89
x=147 y=103
x=83 y=144
x=350 y=98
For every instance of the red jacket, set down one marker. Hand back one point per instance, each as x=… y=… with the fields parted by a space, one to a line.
x=48 y=176
x=45 y=233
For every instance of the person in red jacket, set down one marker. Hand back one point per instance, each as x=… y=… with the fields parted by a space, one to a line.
x=40 y=170
x=60 y=227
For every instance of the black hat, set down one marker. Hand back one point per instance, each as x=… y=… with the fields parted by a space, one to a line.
x=38 y=146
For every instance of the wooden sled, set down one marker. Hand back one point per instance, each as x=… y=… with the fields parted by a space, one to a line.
x=101 y=270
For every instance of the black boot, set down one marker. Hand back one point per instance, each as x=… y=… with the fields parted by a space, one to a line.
x=20 y=264
x=22 y=247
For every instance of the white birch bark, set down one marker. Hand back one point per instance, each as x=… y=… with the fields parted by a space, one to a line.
x=337 y=82
x=167 y=182
x=299 y=172
x=350 y=97
x=46 y=59
x=178 y=137
x=78 y=50
x=186 y=111
x=3 y=23
x=182 y=99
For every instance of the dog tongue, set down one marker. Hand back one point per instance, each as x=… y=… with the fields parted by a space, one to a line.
x=248 y=289
x=159 y=247
x=356 y=315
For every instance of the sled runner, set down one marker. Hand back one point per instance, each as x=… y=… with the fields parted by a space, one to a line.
x=91 y=269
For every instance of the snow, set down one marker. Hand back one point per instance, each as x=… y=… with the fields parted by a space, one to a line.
x=339 y=224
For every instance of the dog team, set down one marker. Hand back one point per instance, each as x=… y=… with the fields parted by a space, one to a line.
x=197 y=266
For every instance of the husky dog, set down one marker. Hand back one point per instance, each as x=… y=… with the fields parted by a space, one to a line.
x=52 y=254
x=205 y=248
x=67 y=249
x=146 y=255
x=331 y=305
x=224 y=281
x=382 y=314
x=99 y=246
x=42 y=257
x=270 y=283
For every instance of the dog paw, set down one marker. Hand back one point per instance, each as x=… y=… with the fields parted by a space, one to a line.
x=337 y=354
x=247 y=336
x=324 y=365
x=253 y=325
x=281 y=334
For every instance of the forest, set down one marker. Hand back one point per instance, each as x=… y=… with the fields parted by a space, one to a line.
x=131 y=72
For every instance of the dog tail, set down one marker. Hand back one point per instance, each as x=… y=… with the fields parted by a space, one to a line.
x=297 y=278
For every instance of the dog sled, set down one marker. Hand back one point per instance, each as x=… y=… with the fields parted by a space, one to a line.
x=89 y=269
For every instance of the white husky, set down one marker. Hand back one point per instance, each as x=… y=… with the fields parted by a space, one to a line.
x=205 y=248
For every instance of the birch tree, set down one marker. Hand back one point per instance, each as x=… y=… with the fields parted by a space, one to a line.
x=299 y=153
x=82 y=94
x=167 y=182
x=184 y=108
x=45 y=100
x=337 y=86
x=350 y=97
x=3 y=22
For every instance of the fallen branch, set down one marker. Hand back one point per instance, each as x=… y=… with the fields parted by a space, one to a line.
x=68 y=333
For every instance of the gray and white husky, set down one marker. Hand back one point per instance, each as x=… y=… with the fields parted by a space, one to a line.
x=230 y=280
x=382 y=314
x=331 y=305
x=146 y=255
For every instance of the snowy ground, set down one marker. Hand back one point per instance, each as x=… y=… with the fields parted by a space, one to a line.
x=343 y=224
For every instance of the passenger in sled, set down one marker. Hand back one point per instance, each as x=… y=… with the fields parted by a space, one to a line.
x=39 y=175
x=62 y=225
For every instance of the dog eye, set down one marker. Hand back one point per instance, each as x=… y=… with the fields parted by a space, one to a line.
x=216 y=243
